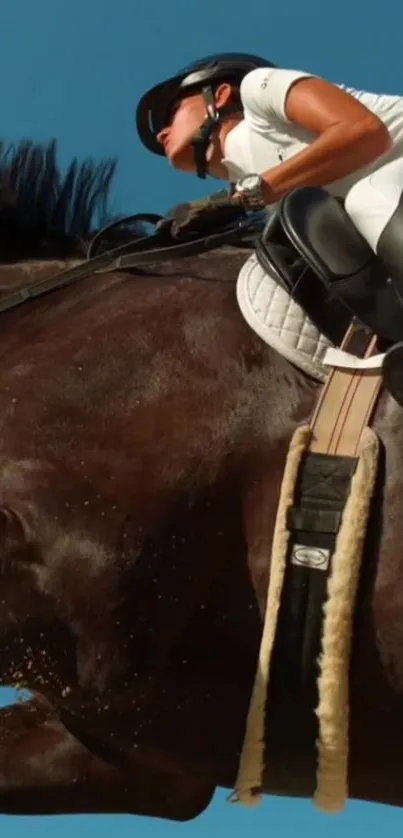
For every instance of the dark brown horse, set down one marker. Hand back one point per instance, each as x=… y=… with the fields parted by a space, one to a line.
x=143 y=432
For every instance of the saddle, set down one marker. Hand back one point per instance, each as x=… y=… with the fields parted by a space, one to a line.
x=313 y=249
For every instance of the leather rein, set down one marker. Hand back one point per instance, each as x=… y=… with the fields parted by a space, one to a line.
x=147 y=250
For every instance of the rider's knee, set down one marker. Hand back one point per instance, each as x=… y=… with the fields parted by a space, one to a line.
x=354 y=200
x=357 y=202
x=372 y=201
x=370 y=208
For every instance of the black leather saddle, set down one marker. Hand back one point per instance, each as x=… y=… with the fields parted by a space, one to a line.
x=313 y=249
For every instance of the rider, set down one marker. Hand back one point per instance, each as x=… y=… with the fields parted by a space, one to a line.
x=269 y=130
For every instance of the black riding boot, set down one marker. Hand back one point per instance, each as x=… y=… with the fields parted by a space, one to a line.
x=390 y=254
x=392 y=372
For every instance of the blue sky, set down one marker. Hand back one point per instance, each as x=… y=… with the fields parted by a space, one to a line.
x=74 y=71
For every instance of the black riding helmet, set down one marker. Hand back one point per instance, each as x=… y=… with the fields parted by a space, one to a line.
x=152 y=112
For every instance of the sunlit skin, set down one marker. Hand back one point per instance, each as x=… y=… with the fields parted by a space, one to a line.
x=187 y=116
x=348 y=136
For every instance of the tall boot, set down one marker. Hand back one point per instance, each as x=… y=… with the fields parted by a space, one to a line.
x=390 y=254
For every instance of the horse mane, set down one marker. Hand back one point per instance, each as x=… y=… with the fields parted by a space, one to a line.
x=45 y=213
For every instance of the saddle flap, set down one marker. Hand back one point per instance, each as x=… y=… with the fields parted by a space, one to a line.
x=280 y=258
x=322 y=232
x=324 y=235
x=276 y=255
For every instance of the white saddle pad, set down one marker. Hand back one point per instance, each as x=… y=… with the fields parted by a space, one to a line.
x=279 y=321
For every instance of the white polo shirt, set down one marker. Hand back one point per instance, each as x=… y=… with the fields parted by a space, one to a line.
x=266 y=137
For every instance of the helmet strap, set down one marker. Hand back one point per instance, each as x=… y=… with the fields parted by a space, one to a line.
x=202 y=138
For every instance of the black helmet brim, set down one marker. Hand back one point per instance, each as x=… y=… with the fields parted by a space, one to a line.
x=152 y=112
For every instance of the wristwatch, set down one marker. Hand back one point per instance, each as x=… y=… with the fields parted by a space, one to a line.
x=250 y=189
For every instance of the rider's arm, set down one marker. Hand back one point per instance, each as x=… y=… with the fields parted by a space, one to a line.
x=348 y=135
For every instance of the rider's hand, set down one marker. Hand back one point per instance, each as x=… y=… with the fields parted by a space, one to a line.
x=201 y=217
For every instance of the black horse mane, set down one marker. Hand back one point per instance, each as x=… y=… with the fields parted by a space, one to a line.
x=45 y=213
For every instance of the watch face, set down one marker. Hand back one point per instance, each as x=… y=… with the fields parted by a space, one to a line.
x=251 y=182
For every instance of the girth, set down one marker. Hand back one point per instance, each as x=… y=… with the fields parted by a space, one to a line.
x=344 y=409
x=299 y=708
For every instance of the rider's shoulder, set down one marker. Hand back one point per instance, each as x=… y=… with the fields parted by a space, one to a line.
x=268 y=87
x=263 y=78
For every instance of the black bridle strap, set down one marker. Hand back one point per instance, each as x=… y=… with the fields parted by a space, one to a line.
x=123 y=258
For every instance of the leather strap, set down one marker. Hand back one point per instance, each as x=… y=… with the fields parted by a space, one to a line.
x=347 y=400
x=144 y=251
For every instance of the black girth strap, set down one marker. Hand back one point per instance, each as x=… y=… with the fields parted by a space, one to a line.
x=322 y=489
x=323 y=486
